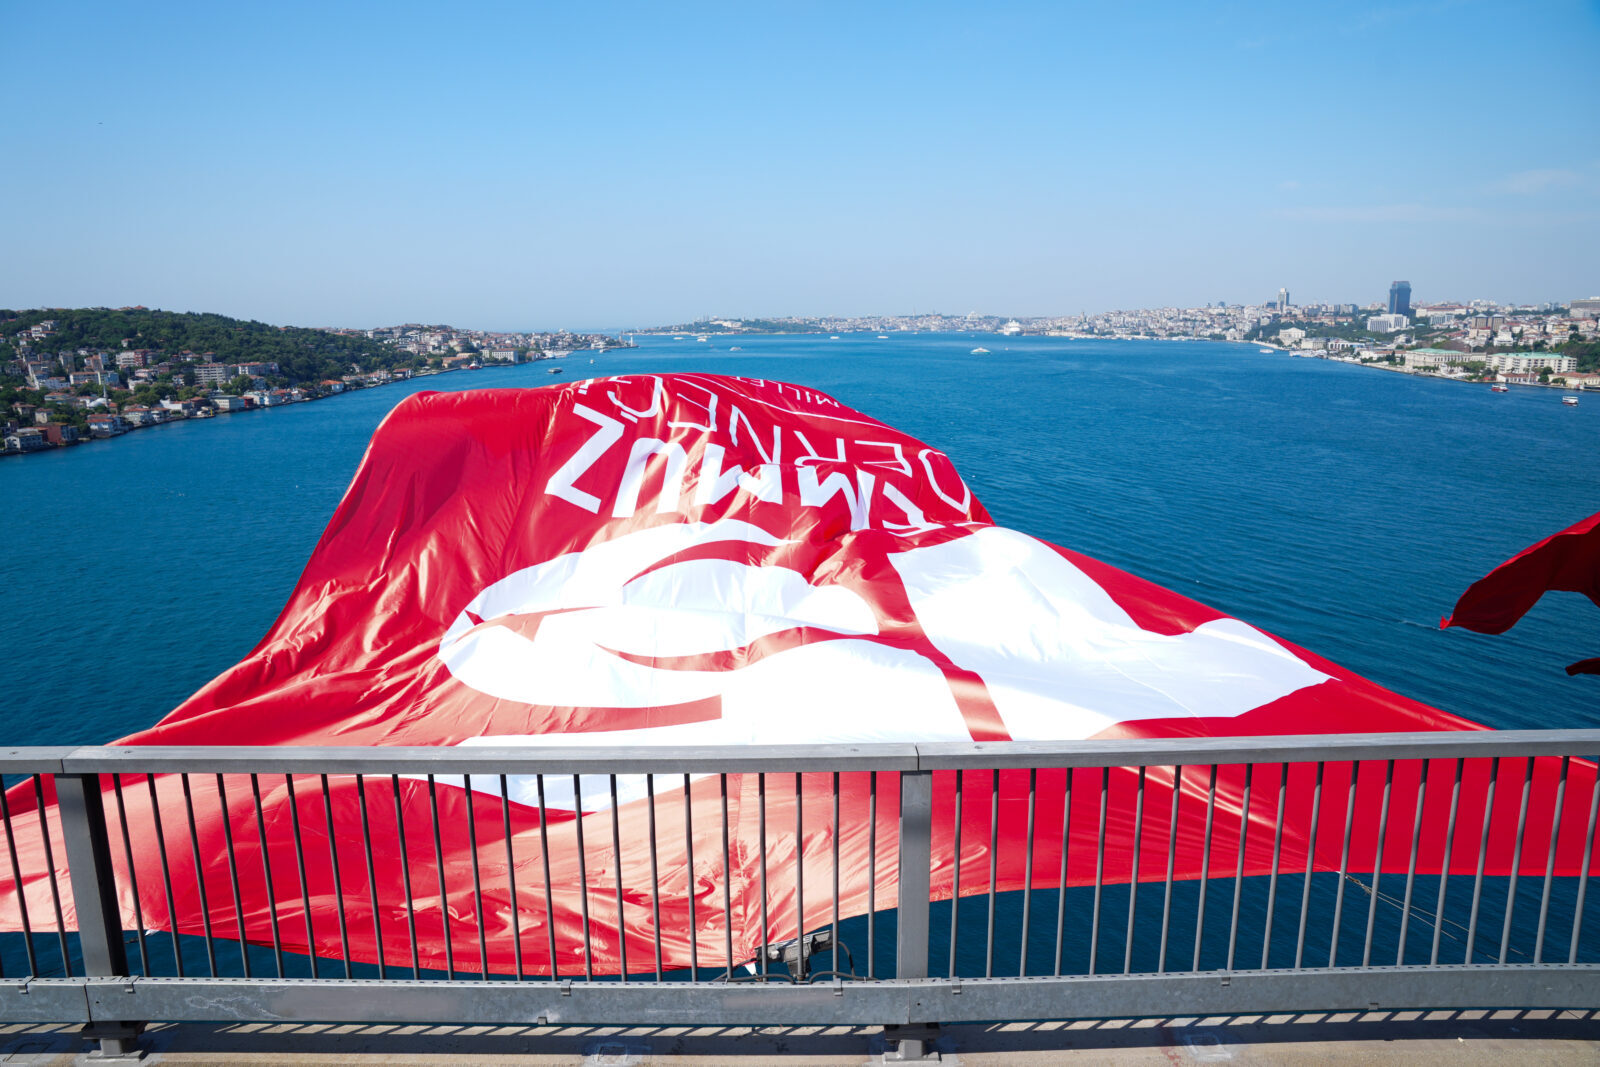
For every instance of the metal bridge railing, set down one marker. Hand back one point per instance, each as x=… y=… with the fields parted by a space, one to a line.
x=1151 y=877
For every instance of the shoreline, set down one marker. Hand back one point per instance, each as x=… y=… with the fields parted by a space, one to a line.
x=258 y=408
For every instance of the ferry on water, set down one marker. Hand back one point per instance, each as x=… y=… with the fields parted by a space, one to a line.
x=1570 y=401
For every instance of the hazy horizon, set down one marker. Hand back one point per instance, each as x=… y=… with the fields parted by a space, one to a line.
x=520 y=169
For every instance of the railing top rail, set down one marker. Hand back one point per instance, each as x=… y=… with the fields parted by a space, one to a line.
x=1291 y=748
x=495 y=759
x=596 y=759
x=34 y=759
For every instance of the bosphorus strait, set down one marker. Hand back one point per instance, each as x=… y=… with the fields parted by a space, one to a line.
x=1339 y=509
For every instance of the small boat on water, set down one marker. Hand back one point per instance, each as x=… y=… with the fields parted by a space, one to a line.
x=1498 y=387
x=1570 y=401
x=883 y=337
x=980 y=351
x=1265 y=351
x=835 y=337
x=556 y=370
x=735 y=348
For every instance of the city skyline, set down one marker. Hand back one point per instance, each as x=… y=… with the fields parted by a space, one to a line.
x=534 y=170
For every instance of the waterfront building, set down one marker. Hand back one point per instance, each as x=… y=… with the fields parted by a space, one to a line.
x=1434 y=358
x=1530 y=362
x=1400 y=298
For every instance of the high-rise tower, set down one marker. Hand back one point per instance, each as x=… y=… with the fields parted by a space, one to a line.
x=1283 y=300
x=1400 y=298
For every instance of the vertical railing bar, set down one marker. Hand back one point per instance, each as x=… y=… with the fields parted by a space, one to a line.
x=444 y=893
x=1444 y=867
x=22 y=898
x=1377 y=862
x=761 y=823
x=199 y=871
x=1344 y=862
x=1238 y=872
x=1205 y=866
x=1133 y=880
x=1516 y=857
x=835 y=930
x=616 y=866
x=799 y=874
x=688 y=845
x=544 y=861
x=727 y=880
x=1277 y=853
x=549 y=891
x=300 y=874
x=994 y=826
x=444 y=898
x=914 y=848
x=655 y=878
x=1583 y=868
x=1483 y=851
x=1061 y=896
x=86 y=848
x=233 y=874
x=133 y=876
x=1550 y=861
x=1027 y=875
x=1172 y=856
x=55 y=888
x=166 y=873
x=872 y=878
x=1311 y=861
x=583 y=881
x=1099 y=870
x=266 y=873
x=372 y=877
x=1411 y=865
x=511 y=877
x=955 y=874
x=477 y=875
x=405 y=877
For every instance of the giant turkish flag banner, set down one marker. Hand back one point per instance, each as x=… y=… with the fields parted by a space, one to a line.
x=691 y=559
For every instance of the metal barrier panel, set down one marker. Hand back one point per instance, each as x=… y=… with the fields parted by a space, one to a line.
x=891 y=884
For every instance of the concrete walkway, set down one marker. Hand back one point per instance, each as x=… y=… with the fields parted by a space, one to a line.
x=1472 y=1038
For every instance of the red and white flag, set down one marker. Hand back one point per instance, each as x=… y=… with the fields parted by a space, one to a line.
x=690 y=559
x=1568 y=561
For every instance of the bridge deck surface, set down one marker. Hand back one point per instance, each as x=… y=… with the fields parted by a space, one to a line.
x=1466 y=1038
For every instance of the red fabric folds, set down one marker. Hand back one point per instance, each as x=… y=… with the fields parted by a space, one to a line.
x=1568 y=561
x=693 y=559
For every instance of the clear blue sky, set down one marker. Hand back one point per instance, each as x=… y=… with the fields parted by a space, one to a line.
x=539 y=166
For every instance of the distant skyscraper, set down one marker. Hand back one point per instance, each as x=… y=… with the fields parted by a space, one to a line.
x=1400 y=298
x=1283 y=300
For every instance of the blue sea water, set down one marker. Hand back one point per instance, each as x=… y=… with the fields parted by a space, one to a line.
x=1340 y=507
